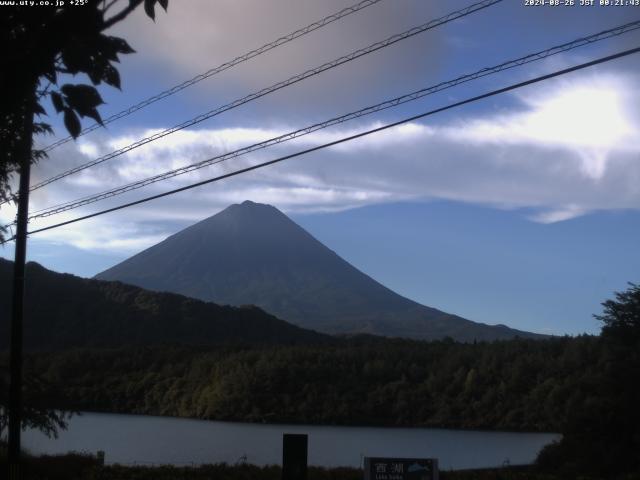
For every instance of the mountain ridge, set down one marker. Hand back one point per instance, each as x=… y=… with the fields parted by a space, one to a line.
x=252 y=253
x=65 y=311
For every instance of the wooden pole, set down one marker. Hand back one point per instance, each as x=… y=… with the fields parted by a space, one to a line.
x=294 y=456
x=17 y=305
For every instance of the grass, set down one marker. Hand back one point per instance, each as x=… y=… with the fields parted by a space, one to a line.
x=80 y=466
x=83 y=466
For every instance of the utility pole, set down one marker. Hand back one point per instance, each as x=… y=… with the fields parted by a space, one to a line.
x=17 y=305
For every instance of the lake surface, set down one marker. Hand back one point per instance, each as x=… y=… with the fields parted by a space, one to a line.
x=137 y=439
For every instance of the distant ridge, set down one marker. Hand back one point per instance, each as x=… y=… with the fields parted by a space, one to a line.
x=254 y=254
x=64 y=311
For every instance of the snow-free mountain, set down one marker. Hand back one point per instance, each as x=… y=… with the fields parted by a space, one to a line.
x=254 y=254
x=63 y=311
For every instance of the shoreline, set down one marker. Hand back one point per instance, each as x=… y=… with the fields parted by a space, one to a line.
x=311 y=424
x=131 y=439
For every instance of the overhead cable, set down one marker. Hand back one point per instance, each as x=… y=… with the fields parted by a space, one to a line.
x=277 y=86
x=338 y=120
x=222 y=67
x=349 y=138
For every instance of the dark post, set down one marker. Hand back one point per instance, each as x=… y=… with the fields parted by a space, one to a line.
x=294 y=456
x=17 y=306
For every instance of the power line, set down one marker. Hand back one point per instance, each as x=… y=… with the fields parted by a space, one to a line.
x=277 y=86
x=338 y=120
x=222 y=67
x=351 y=137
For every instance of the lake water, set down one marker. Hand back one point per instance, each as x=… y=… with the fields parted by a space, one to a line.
x=137 y=439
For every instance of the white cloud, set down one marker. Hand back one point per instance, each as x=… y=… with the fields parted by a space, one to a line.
x=308 y=199
x=7 y=213
x=590 y=117
x=562 y=152
x=559 y=215
x=102 y=234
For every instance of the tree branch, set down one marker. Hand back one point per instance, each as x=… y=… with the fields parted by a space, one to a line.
x=109 y=5
x=124 y=13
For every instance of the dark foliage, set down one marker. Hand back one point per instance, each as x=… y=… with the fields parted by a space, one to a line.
x=76 y=466
x=512 y=385
x=39 y=44
x=602 y=436
x=585 y=387
x=66 y=311
x=60 y=467
x=38 y=394
x=621 y=317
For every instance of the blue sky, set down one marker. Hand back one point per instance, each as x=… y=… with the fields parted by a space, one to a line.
x=521 y=209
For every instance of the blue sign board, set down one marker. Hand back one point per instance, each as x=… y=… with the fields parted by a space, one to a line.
x=378 y=468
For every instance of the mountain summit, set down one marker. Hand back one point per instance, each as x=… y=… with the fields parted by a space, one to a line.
x=254 y=254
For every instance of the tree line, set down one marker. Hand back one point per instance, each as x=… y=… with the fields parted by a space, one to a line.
x=585 y=387
x=524 y=385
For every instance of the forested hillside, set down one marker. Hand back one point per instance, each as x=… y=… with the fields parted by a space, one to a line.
x=65 y=311
x=584 y=387
x=515 y=385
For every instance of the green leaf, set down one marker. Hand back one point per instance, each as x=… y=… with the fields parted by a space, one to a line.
x=71 y=122
x=121 y=45
x=38 y=155
x=81 y=98
x=57 y=101
x=93 y=113
x=94 y=74
x=98 y=70
x=111 y=76
x=149 y=8
x=38 y=110
x=40 y=127
x=76 y=57
x=108 y=47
